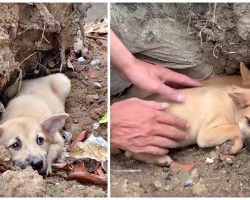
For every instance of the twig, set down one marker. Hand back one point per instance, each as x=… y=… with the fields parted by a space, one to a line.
x=215 y=47
x=43 y=37
x=27 y=58
x=228 y=52
x=20 y=77
x=205 y=25
x=96 y=37
x=220 y=46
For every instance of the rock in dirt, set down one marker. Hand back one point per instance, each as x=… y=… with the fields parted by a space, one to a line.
x=199 y=188
x=78 y=46
x=5 y=158
x=95 y=62
x=97 y=85
x=25 y=183
x=92 y=98
x=158 y=184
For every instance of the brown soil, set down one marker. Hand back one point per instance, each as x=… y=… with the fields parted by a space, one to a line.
x=219 y=179
x=82 y=116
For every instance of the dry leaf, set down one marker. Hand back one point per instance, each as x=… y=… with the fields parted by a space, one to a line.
x=93 y=151
x=80 y=138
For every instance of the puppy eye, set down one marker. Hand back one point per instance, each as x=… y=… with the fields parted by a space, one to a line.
x=15 y=146
x=40 y=140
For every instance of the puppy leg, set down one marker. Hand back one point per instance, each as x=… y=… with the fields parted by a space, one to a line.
x=55 y=149
x=114 y=150
x=61 y=85
x=219 y=135
x=164 y=160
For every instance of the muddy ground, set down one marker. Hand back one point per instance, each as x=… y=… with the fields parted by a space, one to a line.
x=219 y=179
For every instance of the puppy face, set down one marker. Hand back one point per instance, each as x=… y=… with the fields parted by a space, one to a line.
x=28 y=140
x=242 y=102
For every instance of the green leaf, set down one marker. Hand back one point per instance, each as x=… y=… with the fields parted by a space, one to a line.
x=104 y=119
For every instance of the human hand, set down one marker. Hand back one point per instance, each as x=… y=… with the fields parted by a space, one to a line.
x=157 y=79
x=141 y=126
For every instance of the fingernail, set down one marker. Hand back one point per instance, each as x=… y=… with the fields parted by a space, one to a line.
x=180 y=98
x=164 y=105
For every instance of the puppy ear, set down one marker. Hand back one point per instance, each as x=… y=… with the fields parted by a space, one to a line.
x=245 y=74
x=51 y=125
x=241 y=100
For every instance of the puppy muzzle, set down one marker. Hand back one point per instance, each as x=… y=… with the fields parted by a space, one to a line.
x=38 y=163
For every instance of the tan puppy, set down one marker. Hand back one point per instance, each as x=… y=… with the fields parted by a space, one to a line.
x=30 y=125
x=215 y=114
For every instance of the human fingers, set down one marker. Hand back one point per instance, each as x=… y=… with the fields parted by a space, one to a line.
x=149 y=150
x=180 y=79
x=169 y=132
x=155 y=140
x=170 y=119
x=169 y=93
x=153 y=104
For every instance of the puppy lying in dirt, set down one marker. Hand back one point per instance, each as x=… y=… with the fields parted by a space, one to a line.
x=215 y=114
x=30 y=126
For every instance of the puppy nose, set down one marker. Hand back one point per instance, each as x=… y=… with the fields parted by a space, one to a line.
x=36 y=163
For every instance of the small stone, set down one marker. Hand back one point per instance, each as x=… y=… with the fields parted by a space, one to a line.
x=167 y=188
x=209 y=160
x=81 y=59
x=92 y=98
x=199 y=188
x=95 y=62
x=95 y=126
x=97 y=85
x=78 y=46
x=86 y=77
x=188 y=182
x=75 y=121
x=158 y=184
x=135 y=185
x=5 y=158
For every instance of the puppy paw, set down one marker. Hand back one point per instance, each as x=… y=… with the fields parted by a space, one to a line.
x=226 y=148
x=232 y=147
x=49 y=170
x=163 y=160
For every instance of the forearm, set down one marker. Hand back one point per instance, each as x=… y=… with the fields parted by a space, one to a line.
x=120 y=56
